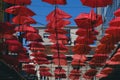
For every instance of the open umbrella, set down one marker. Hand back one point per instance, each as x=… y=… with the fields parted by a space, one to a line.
x=85 y=20
x=58 y=14
x=75 y=74
x=26 y=66
x=25 y=28
x=23 y=20
x=115 y=22
x=19 y=10
x=90 y=73
x=33 y=37
x=62 y=56
x=19 y=2
x=96 y=3
x=60 y=61
x=117 y=13
x=53 y=2
x=79 y=57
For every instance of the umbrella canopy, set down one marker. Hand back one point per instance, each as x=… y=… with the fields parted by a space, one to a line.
x=19 y=2
x=45 y=73
x=117 y=13
x=32 y=37
x=53 y=2
x=57 y=24
x=84 y=32
x=60 y=46
x=38 y=54
x=115 y=22
x=75 y=74
x=58 y=14
x=26 y=28
x=96 y=3
x=30 y=71
x=60 y=61
x=53 y=31
x=20 y=10
x=56 y=55
x=8 y=36
x=28 y=66
x=105 y=72
x=90 y=74
x=91 y=20
x=23 y=20
x=79 y=57
x=7 y=28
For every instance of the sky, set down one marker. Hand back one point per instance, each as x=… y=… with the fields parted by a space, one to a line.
x=42 y=9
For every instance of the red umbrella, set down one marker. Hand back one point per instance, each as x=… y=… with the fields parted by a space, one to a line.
x=53 y=31
x=90 y=73
x=23 y=20
x=74 y=74
x=19 y=10
x=25 y=28
x=19 y=2
x=84 y=32
x=13 y=42
x=77 y=63
x=96 y=3
x=60 y=37
x=58 y=13
x=62 y=56
x=7 y=28
x=38 y=54
x=30 y=71
x=60 y=51
x=44 y=68
x=53 y=2
x=58 y=61
x=85 y=20
x=79 y=57
x=85 y=40
x=32 y=37
x=8 y=36
x=105 y=72
x=23 y=58
x=115 y=22
x=117 y=13
x=57 y=24
x=26 y=66
x=45 y=73
x=60 y=46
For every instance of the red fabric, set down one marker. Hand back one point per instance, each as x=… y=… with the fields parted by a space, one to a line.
x=60 y=2
x=117 y=13
x=19 y=2
x=13 y=42
x=82 y=58
x=38 y=54
x=45 y=73
x=58 y=13
x=96 y=3
x=8 y=36
x=19 y=10
x=74 y=74
x=32 y=37
x=28 y=66
x=77 y=63
x=23 y=20
x=30 y=71
x=25 y=28
x=59 y=46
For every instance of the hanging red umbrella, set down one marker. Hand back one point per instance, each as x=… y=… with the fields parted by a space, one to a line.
x=53 y=2
x=23 y=20
x=77 y=63
x=84 y=20
x=26 y=28
x=75 y=74
x=13 y=42
x=38 y=54
x=115 y=22
x=85 y=40
x=90 y=73
x=60 y=37
x=79 y=57
x=117 y=13
x=96 y=3
x=32 y=37
x=84 y=32
x=57 y=24
x=19 y=10
x=45 y=73
x=61 y=56
x=19 y=2
x=53 y=31
x=30 y=71
x=44 y=68
x=60 y=61
x=58 y=14
x=8 y=36
x=26 y=66
x=23 y=58
x=105 y=72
